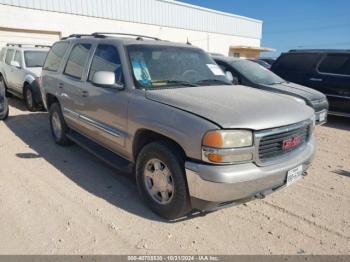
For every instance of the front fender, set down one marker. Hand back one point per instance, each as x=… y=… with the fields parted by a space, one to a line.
x=34 y=83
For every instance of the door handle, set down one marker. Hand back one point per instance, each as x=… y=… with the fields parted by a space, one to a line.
x=60 y=85
x=316 y=79
x=84 y=93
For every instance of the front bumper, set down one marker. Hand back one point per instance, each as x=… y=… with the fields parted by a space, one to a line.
x=220 y=184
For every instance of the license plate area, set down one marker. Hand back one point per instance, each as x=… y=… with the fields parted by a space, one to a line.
x=322 y=117
x=294 y=175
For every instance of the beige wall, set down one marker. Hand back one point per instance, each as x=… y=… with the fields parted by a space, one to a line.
x=66 y=24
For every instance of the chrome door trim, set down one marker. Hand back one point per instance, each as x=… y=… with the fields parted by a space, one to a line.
x=105 y=128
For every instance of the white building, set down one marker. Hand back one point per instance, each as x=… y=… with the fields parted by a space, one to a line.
x=44 y=21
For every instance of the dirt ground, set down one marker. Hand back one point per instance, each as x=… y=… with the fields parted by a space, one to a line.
x=56 y=200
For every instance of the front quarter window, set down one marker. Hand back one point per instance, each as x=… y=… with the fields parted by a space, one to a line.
x=170 y=67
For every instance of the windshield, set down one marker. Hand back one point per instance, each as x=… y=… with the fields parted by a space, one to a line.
x=256 y=73
x=167 y=66
x=35 y=58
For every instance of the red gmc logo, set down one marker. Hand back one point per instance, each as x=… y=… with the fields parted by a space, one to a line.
x=290 y=143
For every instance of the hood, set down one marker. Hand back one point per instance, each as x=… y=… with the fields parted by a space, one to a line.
x=234 y=106
x=299 y=90
x=36 y=71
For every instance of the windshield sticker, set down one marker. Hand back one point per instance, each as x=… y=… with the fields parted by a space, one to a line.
x=141 y=72
x=215 y=69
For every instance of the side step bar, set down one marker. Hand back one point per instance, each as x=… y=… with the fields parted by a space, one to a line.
x=105 y=155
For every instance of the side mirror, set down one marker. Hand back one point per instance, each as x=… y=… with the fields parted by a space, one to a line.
x=15 y=64
x=231 y=78
x=106 y=79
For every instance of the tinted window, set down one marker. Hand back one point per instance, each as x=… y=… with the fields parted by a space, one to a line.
x=2 y=54
x=77 y=60
x=256 y=73
x=9 y=56
x=297 y=62
x=335 y=64
x=55 y=56
x=18 y=58
x=34 y=58
x=106 y=58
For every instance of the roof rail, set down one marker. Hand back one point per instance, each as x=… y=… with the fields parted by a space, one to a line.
x=76 y=36
x=24 y=44
x=139 y=37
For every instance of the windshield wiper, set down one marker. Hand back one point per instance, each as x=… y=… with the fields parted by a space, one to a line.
x=214 y=81
x=175 y=82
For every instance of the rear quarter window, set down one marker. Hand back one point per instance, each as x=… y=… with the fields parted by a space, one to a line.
x=55 y=56
x=296 y=62
x=9 y=56
x=338 y=64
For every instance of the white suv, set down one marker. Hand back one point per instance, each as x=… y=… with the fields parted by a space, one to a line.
x=20 y=70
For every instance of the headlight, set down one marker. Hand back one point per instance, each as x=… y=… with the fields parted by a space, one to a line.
x=228 y=146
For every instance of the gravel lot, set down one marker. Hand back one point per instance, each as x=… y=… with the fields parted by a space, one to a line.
x=56 y=200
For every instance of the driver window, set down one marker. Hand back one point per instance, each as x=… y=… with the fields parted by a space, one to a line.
x=106 y=58
x=18 y=58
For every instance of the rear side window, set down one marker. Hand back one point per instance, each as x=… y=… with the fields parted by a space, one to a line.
x=55 y=56
x=297 y=62
x=9 y=56
x=77 y=60
x=106 y=58
x=335 y=64
x=2 y=54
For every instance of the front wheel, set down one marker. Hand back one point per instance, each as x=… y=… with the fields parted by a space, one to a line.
x=161 y=181
x=6 y=114
x=31 y=105
x=59 y=128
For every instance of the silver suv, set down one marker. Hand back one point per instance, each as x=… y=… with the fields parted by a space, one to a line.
x=166 y=113
x=20 y=71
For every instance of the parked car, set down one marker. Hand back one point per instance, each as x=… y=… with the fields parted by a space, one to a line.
x=261 y=62
x=4 y=108
x=327 y=71
x=268 y=60
x=248 y=73
x=167 y=112
x=20 y=70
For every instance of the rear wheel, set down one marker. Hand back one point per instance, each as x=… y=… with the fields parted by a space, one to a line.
x=161 y=181
x=59 y=128
x=3 y=86
x=31 y=105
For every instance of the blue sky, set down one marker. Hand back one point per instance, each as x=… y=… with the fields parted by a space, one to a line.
x=292 y=24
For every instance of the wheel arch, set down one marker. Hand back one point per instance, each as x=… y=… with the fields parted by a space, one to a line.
x=146 y=136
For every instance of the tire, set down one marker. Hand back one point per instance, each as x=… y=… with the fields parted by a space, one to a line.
x=4 y=117
x=2 y=82
x=29 y=100
x=169 y=176
x=59 y=128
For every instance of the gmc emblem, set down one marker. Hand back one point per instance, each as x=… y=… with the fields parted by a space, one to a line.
x=290 y=143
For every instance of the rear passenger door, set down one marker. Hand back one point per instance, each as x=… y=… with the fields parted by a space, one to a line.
x=332 y=77
x=105 y=108
x=70 y=85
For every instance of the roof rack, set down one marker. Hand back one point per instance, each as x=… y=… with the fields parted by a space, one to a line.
x=139 y=37
x=318 y=50
x=104 y=34
x=23 y=44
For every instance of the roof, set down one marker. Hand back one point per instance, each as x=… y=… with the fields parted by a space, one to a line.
x=167 y=13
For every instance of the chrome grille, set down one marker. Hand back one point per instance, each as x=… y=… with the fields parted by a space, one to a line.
x=270 y=143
